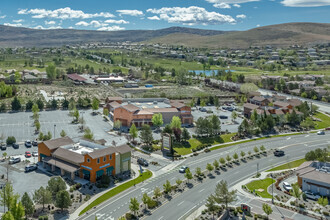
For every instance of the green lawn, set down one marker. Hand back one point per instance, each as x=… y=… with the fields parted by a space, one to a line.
x=289 y=165
x=325 y=120
x=146 y=175
x=184 y=149
x=261 y=184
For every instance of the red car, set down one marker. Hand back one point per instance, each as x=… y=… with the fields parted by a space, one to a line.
x=27 y=154
x=328 y=129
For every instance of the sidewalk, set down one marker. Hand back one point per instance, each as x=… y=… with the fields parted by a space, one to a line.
x=75 y=215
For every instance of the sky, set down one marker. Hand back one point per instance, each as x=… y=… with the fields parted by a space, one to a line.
x=112 y=15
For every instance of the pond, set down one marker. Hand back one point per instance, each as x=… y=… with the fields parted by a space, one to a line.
x=207 y=72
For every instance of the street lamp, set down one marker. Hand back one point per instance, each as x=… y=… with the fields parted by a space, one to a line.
x=54 y=130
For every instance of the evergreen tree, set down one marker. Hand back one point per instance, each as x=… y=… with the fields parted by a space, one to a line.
x=62 y=199
x=146 y=135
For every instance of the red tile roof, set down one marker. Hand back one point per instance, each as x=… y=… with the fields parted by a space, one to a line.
x=76 y=77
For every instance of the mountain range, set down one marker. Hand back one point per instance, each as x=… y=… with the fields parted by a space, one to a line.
x=277 y=35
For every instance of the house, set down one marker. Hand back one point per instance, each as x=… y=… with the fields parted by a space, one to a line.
x=280 y=104
x=85 y=159
x=77 y=79
x=314 y=176
x=248 y=109
x=259 y=100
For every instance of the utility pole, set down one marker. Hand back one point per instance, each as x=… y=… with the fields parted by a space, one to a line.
x=54 y=130
x=257 y=169
x=272 y=189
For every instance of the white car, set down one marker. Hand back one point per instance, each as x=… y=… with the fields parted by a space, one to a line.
x=320 y=133
x=311 y=195
x=287 y=186
x=34 y=153
x=183 y=169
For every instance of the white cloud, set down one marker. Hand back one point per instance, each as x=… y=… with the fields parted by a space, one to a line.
x=111 y=21
x=13 y=25
x=3 y=16
x=130 y=12
x=18 y=21
x=154 y=18
x=93 y=23
x=50 y=22
x=231 y=1
x=237 y=5
x=191 y=16
x=42 y=28
x=258 y=25
x=305 y=3
x=112 y=28
x=222 y=5
x=63 y=13
x=242 y=16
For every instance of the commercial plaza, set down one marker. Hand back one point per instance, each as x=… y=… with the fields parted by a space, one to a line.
x=84 y=159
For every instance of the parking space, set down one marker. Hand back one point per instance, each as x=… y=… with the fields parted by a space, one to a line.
x=155 y=164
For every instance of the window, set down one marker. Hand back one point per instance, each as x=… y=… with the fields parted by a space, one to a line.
x=104 y=159
x=98 y=160
x=110 y=157
x=88 y=160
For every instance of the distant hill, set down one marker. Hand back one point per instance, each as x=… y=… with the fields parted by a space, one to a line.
x=276 y=35
x=18 y=36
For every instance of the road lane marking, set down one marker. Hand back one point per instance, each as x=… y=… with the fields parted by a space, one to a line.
x=180 y=203
x=288 y=138
x=187 y=212
x=307 y=136
x=201 y=190
x=161 y=218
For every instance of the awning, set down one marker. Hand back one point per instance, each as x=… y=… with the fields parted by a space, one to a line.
x=61 y=164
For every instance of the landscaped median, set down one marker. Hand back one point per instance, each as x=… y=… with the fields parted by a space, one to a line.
x=325 y=121
x=146 y=175
x=289 y=165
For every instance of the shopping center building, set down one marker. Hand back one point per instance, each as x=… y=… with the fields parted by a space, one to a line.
x=84 y=159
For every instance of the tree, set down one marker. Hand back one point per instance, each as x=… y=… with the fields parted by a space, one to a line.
x=216 y=164
x=65 y=104
x=55 y=185
x=37 y=124
x=8 y=216
x=234 y=115
x=167 y=187
x=95 y=104
x=134 y=205
x=222 y=195
x=4 y=154
x=28 y=204
x=28 y=105
x=54 y=104
x=235 y=156
x=105 y=112
x=157 y=193
x=185 y=134
x=157 y=120
x=42 y=196
x=262 y=148
x=88 y=134
x=7 y=196
x=256 y=149
x=176 y=122
x=188 y=174
x=228 y=158
x=267 y=209
x=295 y=192
x=216 y=125
x=167 y=129
x=76 y=114
x=242 y=153
x=40 y=104
x=35 y=108
x=63 y=134
x=323 y=201
x=51 y=72
x=72 y=104
x=211 y=206
x=146 y=135
x=145 y=199
x=10 y=140
x=133 y=131
x=17 y=209
x=117 y=125
x=16 y=104
x=222 y=160
x=62 y=199
x=198 y=171
x=209 y=167
x=178 y=182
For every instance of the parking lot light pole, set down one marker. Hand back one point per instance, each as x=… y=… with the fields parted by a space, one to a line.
x=54 y=130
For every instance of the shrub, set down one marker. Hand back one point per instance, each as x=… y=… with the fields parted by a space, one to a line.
x=129 y=216
x=152 y=204
x=302 y=206
x=87 y=197
x=292 y=203
x=325 y=213
x=207 y=150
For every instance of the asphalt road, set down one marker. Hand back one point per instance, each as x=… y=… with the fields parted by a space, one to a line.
x=295 y=147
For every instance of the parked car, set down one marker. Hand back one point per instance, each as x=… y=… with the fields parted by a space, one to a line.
x=143 y=162
x=31 y=167
x=202 y=109
x=287 y=186
x=3 y=147
x=327 y=129
x=311 y=195
x=15 y=145
x=223 y=117
x=35 y=153
x=183 y=169
x=27 y=154
x=278 y=153
x=35 y=143
x=14 y=160
x=320 y=133
x=28 y=143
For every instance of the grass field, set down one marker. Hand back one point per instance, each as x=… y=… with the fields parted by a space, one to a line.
x=115 y=191
x=325 y=121
x=195 y=142
x=261 y=184
x=289 y=165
